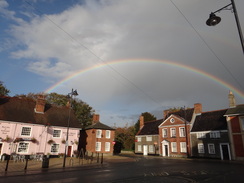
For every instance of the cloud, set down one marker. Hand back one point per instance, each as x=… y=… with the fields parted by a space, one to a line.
x=99 y=32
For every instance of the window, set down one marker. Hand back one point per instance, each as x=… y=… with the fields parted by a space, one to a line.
x=138 y=139
x=148 y=138
x=173 y=132
x=54 y=148
x=214 y=135
x=98 y=146
x=23 y=147
x=56 y=133
x=200 y=148
x=201 y=135
x=165 y=132
x=211 y=149
x=26 y=131
x=139 y=148
x=98 y=133
x=108 y=132
x=151 y=148
x=182 y=132
x=173 y=147
x=107 y=146
x=172 y=120
x=183 y=147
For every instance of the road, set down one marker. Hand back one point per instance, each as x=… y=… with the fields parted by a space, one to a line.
x=142 y=169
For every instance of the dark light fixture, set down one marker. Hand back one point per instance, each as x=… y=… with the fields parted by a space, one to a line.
x=214 y=20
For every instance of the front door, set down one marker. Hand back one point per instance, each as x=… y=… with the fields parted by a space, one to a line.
x=165 y=148
x=225 y=151
x=69 y=151
x=145 y=150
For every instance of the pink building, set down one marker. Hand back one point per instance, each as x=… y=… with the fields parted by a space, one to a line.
x=30 y=127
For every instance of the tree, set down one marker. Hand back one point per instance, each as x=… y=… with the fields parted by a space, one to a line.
x=3 y=90
x=147 y=117
x=125 y=135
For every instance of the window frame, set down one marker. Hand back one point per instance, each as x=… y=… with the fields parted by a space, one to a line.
x=107 y=146
x=55 y=147
x=182 y=132
x=98 y=146
x=149 y=138
x=26 y=148
x=200 y=148
x=22 y=131
x=214 y=135
x=171 y=132
x=201 y=135
x=211 y=148
x=139 y=148
x=108 y=134
x=98 y=133
x=151 y=148
x=165 y=132
x=60 y=132
x=174 y=147
x=183 y=147
x=138 y=139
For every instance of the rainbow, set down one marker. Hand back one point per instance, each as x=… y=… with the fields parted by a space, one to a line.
x=165 y=62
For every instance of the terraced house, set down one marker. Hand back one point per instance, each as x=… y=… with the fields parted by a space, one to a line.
x=34 y=127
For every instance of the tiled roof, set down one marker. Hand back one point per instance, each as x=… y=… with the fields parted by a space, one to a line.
x=150 y=128
x=99 y=125
x=185 y=114
x=15 y=109
x=238 y=110
x=209 y=121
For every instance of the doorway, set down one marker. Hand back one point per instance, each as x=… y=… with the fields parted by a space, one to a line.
x=145 y=150
x=69 y=151
x=225 y=151
x=165 y=148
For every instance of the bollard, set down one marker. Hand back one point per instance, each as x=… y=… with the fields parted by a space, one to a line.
x=45 y=162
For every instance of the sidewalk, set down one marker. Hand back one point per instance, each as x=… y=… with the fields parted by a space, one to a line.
x=55 y=164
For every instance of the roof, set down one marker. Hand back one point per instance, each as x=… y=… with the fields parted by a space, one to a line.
x=185 y=114
x=235 y=111
x=99 y=125
x=150 y=128
x=210 y=121
x=17 y=109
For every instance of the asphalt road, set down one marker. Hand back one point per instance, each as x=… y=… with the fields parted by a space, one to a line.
x=141 y=169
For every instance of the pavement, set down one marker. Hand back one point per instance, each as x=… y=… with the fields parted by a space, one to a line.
x=55 y=164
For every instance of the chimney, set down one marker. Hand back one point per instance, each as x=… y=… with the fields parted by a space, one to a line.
x=95 y=118
x=141 y=121
x=232 y=101
x=40 y=104
x=197 y=108
x=166 y=112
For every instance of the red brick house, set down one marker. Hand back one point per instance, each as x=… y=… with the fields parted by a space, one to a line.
x=97 y=138
x=235 y=122
x=174 y=132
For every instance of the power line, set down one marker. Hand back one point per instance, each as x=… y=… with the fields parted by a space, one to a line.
x=207 y=45
x=99 y=58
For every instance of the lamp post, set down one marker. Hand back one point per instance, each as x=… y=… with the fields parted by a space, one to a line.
x=70 y=96
x=214 y=20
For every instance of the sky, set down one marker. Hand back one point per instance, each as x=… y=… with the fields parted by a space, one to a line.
x=124 y=57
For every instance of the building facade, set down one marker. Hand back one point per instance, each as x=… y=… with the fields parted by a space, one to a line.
x=146 y=140
x=97 y=138
x=33 y=127
x=209 y=136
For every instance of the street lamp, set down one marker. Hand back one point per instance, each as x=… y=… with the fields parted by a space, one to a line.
x=70 y=96
x=214 y=20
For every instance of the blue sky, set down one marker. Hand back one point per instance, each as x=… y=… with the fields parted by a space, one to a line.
x=45 y=41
